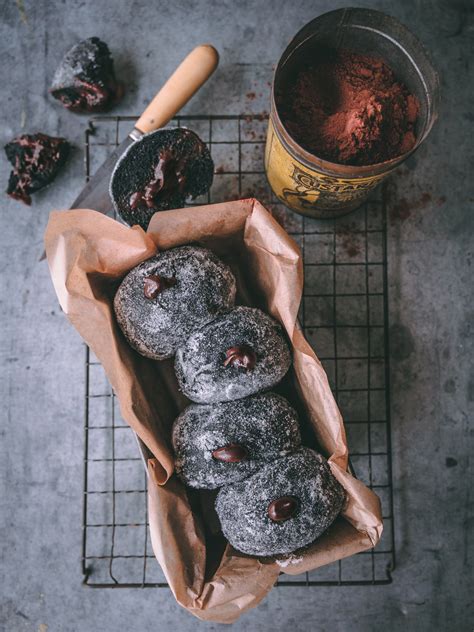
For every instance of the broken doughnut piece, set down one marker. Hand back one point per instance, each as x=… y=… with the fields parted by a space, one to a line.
x=85 y=79
x=159 y=172
x=36 y=160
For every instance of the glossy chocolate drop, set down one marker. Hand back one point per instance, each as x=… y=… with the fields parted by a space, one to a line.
x=155 y=284
x=230 y=453
x=282 y=508
x=240 y=357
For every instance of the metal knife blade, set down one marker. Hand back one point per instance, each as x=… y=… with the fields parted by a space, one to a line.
x=95 y=195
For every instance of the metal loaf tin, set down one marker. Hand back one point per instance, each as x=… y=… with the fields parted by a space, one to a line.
x=306 y=183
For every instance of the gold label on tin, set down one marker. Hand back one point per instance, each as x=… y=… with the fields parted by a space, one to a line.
x=304 y=189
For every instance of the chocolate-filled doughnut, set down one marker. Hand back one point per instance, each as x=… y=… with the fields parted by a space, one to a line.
x=217 y=444
x=159 y=172
x=238 y=354
x=284 y=506
x=164 y=299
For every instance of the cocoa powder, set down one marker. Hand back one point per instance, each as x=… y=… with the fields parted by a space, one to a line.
x=350 y=109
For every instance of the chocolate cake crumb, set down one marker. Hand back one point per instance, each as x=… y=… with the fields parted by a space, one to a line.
x=85 y=79
x=36 y=160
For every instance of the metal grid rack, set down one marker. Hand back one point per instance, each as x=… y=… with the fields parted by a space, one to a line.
x=344 y=314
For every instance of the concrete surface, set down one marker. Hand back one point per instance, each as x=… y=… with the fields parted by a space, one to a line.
x=431 y=313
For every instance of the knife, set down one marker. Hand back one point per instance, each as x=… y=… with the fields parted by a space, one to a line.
x=186 y=80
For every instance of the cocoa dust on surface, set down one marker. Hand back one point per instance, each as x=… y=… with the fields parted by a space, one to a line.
x=350 y=109
x=404 y=207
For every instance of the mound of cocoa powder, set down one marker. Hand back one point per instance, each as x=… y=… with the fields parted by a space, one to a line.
x=350 y=109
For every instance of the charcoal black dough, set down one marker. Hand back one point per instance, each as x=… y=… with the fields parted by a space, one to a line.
x=85 y=79
x=136 y=169
x=205 y=287
x=243 y=507
x=36 y=160
x=265 y=425
x=199 y=363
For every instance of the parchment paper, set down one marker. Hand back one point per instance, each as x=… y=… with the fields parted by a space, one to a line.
x=88 y=254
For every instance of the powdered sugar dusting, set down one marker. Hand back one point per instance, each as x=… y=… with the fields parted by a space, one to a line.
x=88 y=60
x=199 y=363
x=266 y=425
x=243 y=507
x=205 y=288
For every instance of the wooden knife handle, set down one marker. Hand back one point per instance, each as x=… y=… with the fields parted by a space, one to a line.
x=188 y=77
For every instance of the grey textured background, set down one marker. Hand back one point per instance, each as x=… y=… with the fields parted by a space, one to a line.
x=430 y=305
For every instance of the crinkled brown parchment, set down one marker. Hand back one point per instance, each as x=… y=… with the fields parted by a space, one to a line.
x=88 y=254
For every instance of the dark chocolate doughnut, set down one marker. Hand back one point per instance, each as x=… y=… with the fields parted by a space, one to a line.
x=217 y=444
x=159 y=172
x=164 y=299
x=286 y=505
x=85 y=79
x=238 y=354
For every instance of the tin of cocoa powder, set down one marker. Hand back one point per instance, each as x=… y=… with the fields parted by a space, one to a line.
x=353 y=95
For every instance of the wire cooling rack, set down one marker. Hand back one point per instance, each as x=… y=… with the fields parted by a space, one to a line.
x=344 y=314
